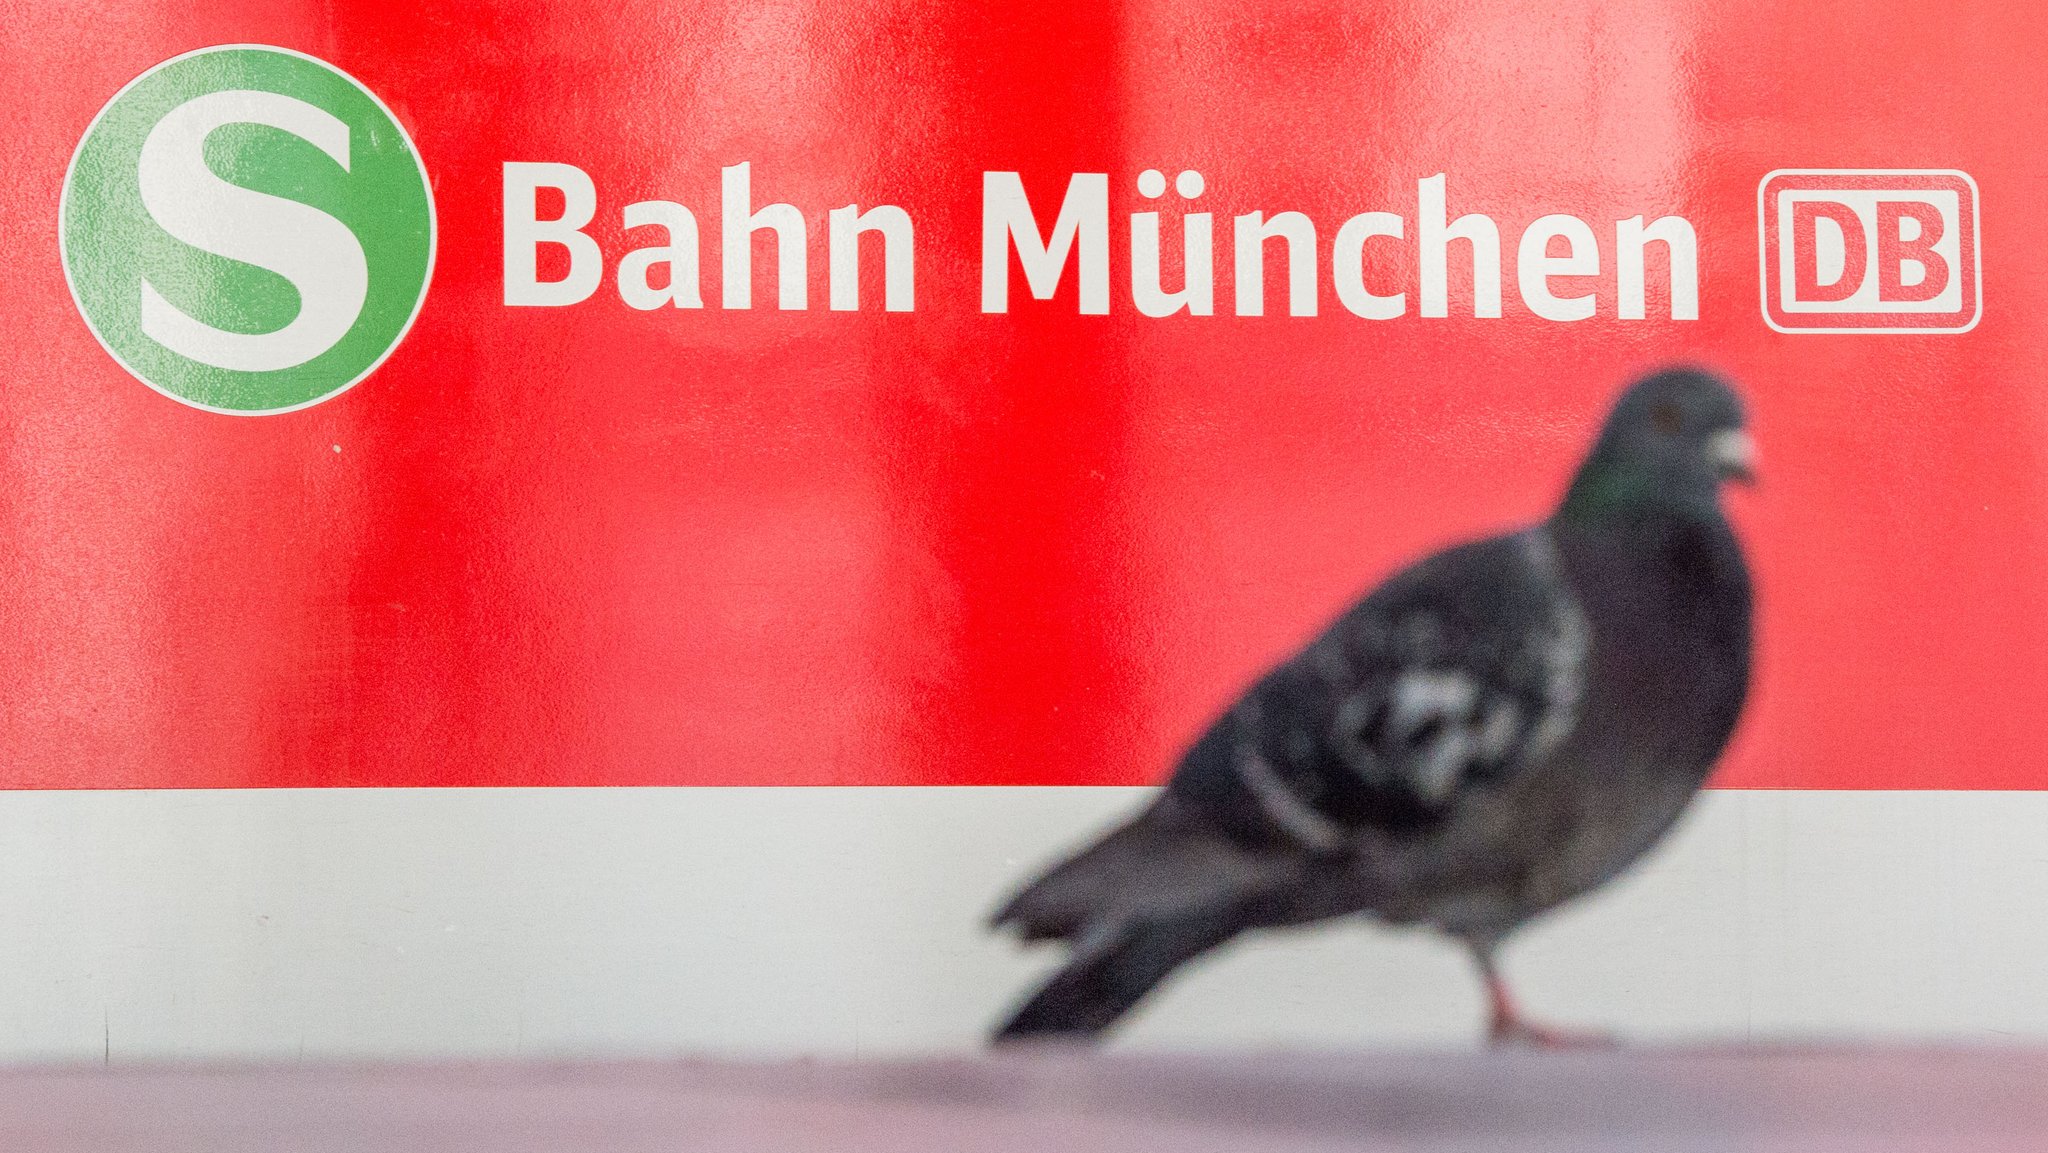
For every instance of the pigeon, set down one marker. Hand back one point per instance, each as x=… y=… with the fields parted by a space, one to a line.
x=1496 y=729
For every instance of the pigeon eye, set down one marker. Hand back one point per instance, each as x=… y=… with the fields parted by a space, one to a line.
x=1666 y=418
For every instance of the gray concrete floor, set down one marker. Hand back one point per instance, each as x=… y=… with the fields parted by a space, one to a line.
x=1642 y=1101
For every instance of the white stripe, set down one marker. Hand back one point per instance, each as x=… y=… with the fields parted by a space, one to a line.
x=503 y=923
x=1301 y=823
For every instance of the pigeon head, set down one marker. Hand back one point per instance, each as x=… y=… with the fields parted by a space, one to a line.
x=1672 y=440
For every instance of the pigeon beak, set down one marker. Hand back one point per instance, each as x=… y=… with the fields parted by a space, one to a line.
x=1733 y=452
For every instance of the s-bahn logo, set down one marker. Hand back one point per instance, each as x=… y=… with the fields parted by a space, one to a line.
x=247 y=229
x=1852 y=250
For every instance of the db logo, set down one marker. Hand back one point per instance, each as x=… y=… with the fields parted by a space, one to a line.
x=1869 y=251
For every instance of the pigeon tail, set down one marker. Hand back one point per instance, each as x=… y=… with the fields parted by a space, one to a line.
x=1112 y=969
x=1161 y=865
x=1076 y=891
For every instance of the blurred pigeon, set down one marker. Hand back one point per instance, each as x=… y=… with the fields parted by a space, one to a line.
x=1495 y=730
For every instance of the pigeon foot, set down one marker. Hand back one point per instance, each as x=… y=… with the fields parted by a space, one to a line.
x=1508 y=1029
x=1516 y=1033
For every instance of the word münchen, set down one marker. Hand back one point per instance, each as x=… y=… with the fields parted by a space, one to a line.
x=1012 y=229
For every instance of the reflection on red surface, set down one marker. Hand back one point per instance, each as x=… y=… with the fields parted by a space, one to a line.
x=592 y=545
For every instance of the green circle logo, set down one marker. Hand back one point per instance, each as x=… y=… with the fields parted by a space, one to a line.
x=247 y=229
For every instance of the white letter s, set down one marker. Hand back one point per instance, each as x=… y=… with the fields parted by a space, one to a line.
x=314 y=251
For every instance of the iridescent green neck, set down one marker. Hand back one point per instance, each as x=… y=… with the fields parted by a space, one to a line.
x=1606 y=488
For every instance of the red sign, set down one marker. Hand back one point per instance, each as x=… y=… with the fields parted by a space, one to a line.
x=889 y=394
x=1877 y=252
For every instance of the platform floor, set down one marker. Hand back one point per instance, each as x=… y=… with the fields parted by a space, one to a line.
x=1813 y=1101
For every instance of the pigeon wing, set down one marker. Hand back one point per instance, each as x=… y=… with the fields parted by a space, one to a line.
x=1457 y=672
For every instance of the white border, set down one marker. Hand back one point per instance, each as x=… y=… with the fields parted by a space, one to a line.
x=1976 y=250
x=426 y=181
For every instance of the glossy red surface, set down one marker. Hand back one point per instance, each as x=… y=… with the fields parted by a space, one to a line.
x=591 y=545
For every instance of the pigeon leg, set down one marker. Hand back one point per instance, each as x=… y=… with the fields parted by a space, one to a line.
x=1506 y=1027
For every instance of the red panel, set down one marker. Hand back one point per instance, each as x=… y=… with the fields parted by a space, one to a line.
x=590 y=545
